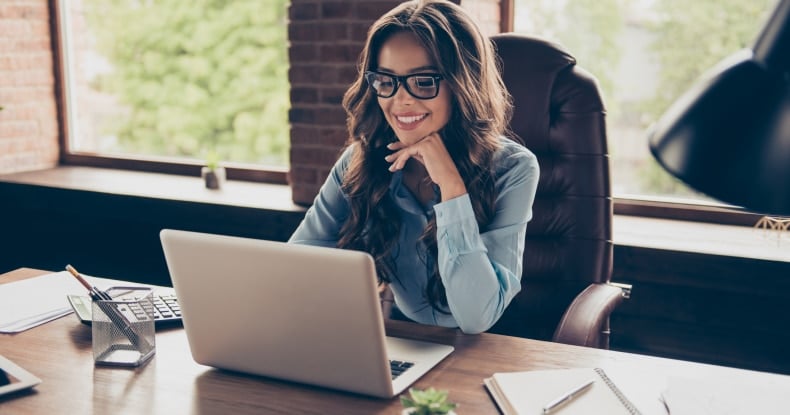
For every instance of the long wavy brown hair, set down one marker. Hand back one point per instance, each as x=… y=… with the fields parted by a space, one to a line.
x=481 y=109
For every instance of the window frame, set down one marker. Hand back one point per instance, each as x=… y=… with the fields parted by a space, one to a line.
x=234 y=171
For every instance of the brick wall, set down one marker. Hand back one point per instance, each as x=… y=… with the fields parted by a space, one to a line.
x=28 y=122
x=326 y=37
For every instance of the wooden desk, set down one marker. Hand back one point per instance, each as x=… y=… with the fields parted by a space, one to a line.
x=60 y=354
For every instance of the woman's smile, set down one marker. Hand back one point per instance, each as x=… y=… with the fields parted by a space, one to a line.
x=409 y=121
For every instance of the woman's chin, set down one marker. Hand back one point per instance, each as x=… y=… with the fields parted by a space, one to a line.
x=409 y=137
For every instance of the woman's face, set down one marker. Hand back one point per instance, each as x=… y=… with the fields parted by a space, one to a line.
x=411 y=118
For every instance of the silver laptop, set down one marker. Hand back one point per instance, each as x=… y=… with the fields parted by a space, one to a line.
x=299 y=313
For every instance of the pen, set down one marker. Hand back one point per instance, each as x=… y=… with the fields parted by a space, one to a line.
x=118 y=319
x=569 y=396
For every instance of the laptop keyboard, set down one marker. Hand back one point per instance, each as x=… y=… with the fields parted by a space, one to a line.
x=397 y=367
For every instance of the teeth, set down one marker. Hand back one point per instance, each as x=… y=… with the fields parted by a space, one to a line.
x=411 y=119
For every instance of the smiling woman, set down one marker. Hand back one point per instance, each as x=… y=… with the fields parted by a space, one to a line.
x=430 y=185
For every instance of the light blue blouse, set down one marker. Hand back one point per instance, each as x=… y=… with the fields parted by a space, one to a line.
x=481 y=272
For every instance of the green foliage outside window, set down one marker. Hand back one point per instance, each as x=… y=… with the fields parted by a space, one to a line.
x=195 y=76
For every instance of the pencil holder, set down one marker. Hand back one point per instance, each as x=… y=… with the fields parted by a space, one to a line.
x=123 y=328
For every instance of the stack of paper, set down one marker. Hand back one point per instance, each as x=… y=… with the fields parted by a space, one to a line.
x=35 y=301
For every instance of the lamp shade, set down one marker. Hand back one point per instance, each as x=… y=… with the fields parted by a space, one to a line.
x=729 y=136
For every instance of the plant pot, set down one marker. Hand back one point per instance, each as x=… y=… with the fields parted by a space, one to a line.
x=213 y=178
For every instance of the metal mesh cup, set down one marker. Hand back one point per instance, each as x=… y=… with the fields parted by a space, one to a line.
x=123 y=328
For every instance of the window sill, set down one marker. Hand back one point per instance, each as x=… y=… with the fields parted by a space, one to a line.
x=702 y=238
x=160 y=186
x=631 y=231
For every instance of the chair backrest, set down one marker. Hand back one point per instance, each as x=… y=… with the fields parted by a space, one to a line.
x=559 y=115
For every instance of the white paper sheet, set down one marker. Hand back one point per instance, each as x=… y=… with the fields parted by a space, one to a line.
x=686 y=396
x=34 y=301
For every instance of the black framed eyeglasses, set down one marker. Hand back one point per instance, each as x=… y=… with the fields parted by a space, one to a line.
x=418 y=85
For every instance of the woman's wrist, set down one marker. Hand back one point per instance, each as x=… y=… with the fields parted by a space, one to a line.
x=452 y=190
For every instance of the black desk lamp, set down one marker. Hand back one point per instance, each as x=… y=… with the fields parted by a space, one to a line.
x=729 y=136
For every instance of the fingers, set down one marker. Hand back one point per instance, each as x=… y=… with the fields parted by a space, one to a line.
x=399 y=158
x=396 y=145
x=404 y=152
x=394 y=158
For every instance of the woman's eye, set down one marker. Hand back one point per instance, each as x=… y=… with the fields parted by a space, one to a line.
x=424 y=82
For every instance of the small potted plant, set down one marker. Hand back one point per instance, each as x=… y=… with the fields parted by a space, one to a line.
x=427 y=402
x=212 y=173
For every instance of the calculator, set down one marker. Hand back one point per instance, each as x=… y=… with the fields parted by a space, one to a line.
x=166 y=309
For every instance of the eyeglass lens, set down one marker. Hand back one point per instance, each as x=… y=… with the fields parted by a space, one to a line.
x=420 y=86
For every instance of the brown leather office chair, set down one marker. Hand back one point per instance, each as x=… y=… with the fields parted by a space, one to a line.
x=559 y=115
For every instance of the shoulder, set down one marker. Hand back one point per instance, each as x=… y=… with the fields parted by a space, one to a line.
x=346 y=155
x=513 y=159
x=341 y=165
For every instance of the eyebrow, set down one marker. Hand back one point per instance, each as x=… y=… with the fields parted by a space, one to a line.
x=411 y=71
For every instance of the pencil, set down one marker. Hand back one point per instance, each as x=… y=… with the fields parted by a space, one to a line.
x=96 y=293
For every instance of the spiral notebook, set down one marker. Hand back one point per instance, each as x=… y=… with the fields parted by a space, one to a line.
x=527 y=393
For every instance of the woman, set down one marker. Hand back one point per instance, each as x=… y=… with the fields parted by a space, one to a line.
x=428 y=185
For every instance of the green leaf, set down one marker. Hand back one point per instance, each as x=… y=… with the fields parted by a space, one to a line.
x=428 y=402
x=406 y=402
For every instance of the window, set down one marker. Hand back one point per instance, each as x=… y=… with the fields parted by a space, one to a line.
x=645 y=53
x=168 y=83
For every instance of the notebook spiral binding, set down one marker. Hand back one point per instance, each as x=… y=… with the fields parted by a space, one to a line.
x=630 y=407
